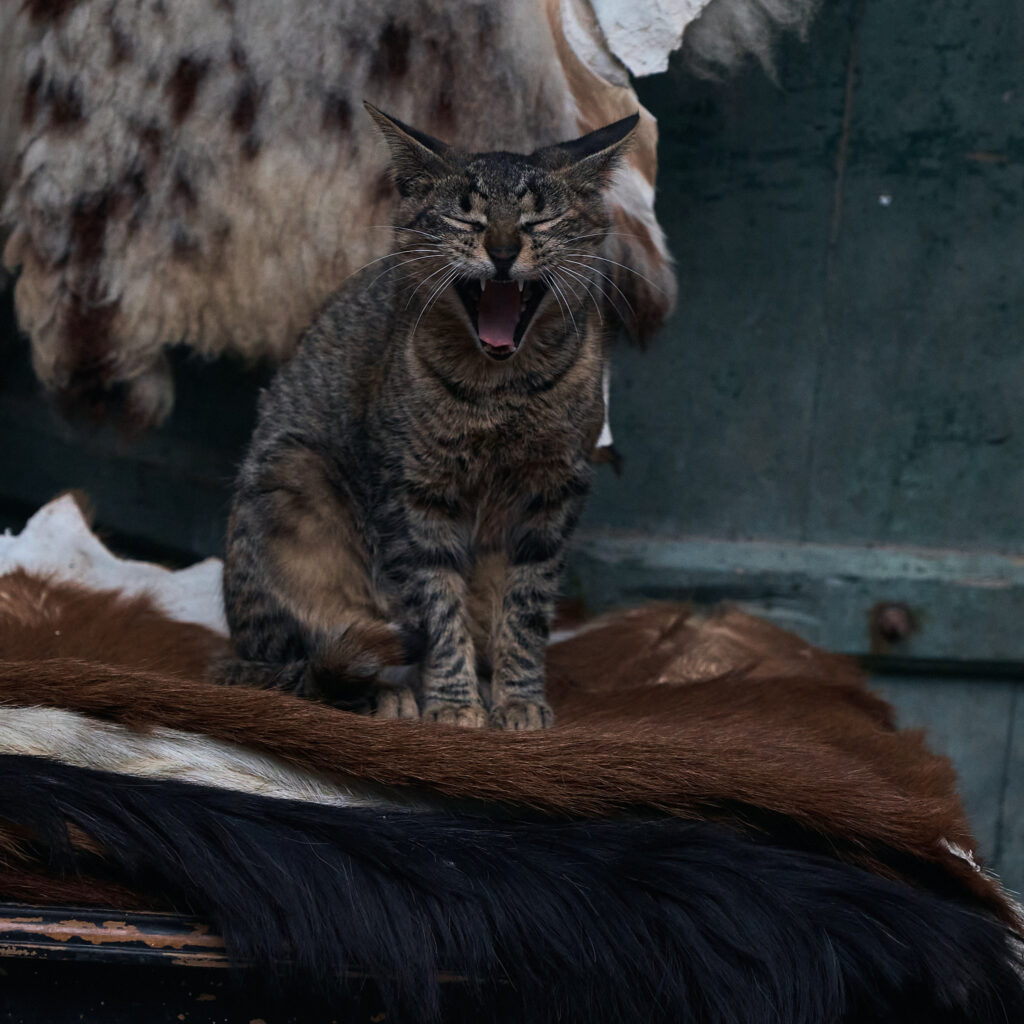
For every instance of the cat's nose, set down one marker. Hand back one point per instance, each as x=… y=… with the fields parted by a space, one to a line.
x=503 y=256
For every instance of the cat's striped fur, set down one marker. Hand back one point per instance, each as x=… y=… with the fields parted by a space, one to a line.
x=419 y=466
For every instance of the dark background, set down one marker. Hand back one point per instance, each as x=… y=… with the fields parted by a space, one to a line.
x=833 y=419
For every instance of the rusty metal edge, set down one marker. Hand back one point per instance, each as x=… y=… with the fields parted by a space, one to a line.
x=121 y=937
x=76 y=933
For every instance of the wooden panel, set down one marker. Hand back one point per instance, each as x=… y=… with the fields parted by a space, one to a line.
x=61 y=933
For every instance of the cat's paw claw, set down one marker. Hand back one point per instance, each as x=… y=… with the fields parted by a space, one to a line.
x=396 y=702
x=469 y=716
x=522 y=715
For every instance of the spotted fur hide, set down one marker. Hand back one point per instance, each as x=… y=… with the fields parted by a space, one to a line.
x=201 y=171
x=204 y=171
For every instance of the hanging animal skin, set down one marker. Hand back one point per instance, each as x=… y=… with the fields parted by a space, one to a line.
x=197 y=171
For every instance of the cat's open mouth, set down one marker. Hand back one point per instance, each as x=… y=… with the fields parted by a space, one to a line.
x=500 y=311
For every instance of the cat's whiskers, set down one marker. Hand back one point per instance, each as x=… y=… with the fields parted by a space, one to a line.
x=586 y=287
x=553 y=284
x=404 y=263
x=604 y=292
x=545 y=276
x=414 y=231
x=603 y=234
x=445 y=281
x=570 y=287
x=392 y=255
x=447 y=266
x=604 y=259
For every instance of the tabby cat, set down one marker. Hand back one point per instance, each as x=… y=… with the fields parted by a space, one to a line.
x=420 y=464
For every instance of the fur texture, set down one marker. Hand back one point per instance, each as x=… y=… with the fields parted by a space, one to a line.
x=646 y=720
x=41 y=618
x=729 y=32
x=80 y=741
x=137 y=139
x=35 y=885
x=814 y=791
x=150 y=133
x=625 y=920
x=58 y=544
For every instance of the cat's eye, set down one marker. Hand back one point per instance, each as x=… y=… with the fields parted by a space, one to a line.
x=543 y=222
x=464 y=225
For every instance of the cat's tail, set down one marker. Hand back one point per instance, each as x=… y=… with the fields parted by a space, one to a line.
x=262 y=675
x=343 y=668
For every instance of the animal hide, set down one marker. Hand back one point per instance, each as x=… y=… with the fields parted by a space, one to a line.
x=716 y=35
x=623 y=920
x=157 y=753
x=20 y=884
x=592 y=911
x=698 y=744
x=202 y=171
x=40 y=618
x=727 y=33
x=58 y=544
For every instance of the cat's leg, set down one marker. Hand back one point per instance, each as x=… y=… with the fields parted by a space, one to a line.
x=536 y=553
x=299 y=592
x=437 y=601
x=519 y=645
x=426 y=562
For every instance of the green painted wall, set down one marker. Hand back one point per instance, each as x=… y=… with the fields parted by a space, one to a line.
x=833 y=417
x=841 y=385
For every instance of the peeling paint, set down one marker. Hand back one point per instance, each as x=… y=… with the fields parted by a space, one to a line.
x=111 y=932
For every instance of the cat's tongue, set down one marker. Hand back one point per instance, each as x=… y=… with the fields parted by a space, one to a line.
x=498 y=314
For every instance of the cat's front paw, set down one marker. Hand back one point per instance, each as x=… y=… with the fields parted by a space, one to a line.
x=522 y=715
x=469 y=716
x=396 y=702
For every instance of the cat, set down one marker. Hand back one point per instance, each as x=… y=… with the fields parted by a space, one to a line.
x=418 y=467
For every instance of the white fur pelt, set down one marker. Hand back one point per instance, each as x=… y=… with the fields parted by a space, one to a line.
x=173 y=755
x=58 y=544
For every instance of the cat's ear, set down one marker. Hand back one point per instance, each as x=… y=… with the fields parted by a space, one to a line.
x=417 y=159
x=587 y=162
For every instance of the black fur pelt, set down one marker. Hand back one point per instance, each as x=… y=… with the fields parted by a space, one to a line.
x=610 y=921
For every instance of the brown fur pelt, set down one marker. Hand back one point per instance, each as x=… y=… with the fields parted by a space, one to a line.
x=34 y=885
x=204 y=171
x=787 y=736
x=41 y=619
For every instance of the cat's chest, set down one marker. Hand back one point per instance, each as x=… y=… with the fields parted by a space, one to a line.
x=502 y=481
x=488 y=497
